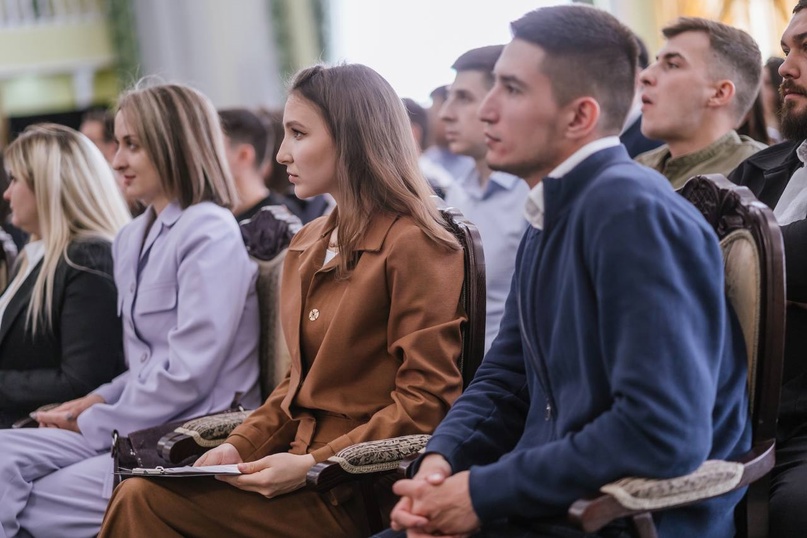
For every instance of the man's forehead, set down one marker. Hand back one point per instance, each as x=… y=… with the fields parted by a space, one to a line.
x=689 y=45
x=796 y=30
x=469 y=80
x=519 y=58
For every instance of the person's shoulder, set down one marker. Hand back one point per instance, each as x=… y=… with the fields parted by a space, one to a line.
x=90 y=253
x=510 y=182
x=751 y=145
x=652 y=157
x=406 y=236
x=205 y=218
x=207 y=211
x=311 y=231
x=309 y=234
x=89 y=246
x=773 y=155
x=135 y=223
x=627 y=186
x=624 y=178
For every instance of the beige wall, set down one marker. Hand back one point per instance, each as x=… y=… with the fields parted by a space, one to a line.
x=765 y=20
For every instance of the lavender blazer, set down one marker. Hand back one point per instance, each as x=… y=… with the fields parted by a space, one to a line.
x=190 y=322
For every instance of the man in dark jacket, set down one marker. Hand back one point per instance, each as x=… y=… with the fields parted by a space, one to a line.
x=778 y=177
x=617 y=354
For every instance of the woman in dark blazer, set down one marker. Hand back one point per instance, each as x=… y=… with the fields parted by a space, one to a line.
x=60 y=335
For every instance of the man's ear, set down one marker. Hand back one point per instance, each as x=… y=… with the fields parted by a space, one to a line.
x=722 y=93
x=245 y=155
x=584 y=116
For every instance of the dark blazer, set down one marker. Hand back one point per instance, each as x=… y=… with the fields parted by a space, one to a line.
x=766 y=174
x=83 y=349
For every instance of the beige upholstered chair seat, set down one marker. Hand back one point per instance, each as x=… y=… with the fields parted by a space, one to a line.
x=743 y=276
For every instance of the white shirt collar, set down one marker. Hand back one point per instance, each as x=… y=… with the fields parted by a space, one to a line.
x=534 y=208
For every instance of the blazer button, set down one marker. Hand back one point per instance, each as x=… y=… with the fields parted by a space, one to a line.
x=143 y=357
x=313 y=315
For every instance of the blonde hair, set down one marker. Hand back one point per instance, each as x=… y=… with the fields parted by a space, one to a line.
x=76 y=196
x=180 y=131
x=377 y=161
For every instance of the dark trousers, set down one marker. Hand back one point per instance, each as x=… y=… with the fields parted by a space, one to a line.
x=537 y=529
x=788 y=504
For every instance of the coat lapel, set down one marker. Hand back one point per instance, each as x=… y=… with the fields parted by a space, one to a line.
x=312 y=256
x=776 y=179
x=19 y=303
x=167 y=217
x=311 y=252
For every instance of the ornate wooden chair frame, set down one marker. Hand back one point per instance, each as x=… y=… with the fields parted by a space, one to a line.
x=729 y=208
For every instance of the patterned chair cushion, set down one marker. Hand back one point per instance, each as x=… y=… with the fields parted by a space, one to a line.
x=211 y=431
x=384 y=455
x=712 y=478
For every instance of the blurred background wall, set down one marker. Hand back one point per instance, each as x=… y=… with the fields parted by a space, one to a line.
x=59 y=57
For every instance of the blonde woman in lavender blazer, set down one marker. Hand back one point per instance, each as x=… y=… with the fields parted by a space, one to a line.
x=186 y=297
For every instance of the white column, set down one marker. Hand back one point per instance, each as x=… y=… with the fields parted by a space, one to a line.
x=83 y=86
x=224 y=49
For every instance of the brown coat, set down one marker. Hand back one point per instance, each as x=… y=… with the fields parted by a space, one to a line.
x=372 y=356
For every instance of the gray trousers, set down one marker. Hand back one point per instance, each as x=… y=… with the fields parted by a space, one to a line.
x=52 y=484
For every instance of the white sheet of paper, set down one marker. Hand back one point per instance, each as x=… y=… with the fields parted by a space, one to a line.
x=231 y=469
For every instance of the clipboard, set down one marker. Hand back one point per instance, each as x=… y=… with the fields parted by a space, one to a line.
x=181 y=472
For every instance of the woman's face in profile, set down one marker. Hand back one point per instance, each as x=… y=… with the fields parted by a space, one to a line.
x=21 y=199
x=308 y=150
x=139 y=175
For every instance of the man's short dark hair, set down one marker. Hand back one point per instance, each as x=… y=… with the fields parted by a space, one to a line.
x=736 y=57
x=103 y=116
x=418 y=116
x=588 y=53
x=482 y=59
x=440 y=92
x=801 y=5
x=243 y=126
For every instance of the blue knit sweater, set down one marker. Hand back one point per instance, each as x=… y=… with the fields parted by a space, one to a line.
x=618 y=355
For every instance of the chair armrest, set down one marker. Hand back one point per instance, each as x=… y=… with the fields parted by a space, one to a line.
x=359 y=461
x=199 y=435
x=30 y=421
x=632 y=496
x=405 y=466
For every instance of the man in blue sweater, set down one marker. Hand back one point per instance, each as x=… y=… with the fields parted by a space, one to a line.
x=618 y=354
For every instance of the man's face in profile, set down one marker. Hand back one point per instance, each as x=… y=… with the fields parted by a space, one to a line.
x=794 y=84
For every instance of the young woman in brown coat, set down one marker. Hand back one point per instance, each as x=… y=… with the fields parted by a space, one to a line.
x=370 y=311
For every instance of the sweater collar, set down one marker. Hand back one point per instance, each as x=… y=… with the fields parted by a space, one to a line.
x=561 y=193
x=535 y=207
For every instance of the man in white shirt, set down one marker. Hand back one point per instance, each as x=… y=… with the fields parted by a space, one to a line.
x=494 y=201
